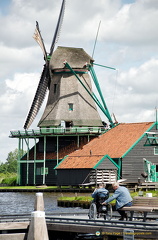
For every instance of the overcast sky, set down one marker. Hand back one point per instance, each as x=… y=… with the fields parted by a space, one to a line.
x=127 y=41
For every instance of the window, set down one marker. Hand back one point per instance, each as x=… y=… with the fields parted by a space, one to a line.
x=155 y=150
x=70 y=106
x=40 y=171
x=46 y=171
x=47 y=129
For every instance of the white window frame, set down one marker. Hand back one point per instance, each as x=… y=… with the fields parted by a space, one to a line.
x=155 y=150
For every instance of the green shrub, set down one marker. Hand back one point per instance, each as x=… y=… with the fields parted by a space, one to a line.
x=10 y=181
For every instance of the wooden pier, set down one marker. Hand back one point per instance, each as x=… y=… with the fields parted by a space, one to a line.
x=71 y=226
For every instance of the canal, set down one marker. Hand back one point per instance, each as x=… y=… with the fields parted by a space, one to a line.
x=23 y=202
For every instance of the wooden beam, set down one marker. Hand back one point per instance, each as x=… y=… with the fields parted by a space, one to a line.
x=14 y=225
x=13 y=236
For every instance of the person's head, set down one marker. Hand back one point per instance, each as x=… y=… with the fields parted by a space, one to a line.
x=102 y=185
x=115 y=185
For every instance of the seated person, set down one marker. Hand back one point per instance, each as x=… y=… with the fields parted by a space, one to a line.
x=123 y=198
x=100 y=194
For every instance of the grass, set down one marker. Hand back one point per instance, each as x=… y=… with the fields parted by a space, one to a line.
x=27 y=187
x=33 y=187
x=7 y=177
x=154 y=193
x=89 y=198
x=77 y=198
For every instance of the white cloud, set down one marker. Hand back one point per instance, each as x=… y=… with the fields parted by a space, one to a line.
x=141 y=79
x=133 y=24
x=15 y=102
x=19 y=90
x=136 y=93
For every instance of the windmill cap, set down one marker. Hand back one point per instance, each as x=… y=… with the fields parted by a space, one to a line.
x=75 y=57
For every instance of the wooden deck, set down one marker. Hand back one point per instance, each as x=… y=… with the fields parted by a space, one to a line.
x=17 y=228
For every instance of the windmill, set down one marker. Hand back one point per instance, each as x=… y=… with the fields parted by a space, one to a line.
x=71 y=101
x=70 y=118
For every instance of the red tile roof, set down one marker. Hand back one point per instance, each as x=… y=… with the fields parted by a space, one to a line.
x=115 y=143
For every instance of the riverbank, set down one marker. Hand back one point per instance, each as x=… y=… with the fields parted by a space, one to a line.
x=44 y=188
x=85 y=201
x=68 y=189
x=73 y=204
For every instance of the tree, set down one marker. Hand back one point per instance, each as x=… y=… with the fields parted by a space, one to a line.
x=11 y=162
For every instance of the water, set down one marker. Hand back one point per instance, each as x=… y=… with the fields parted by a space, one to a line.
x=23 y=203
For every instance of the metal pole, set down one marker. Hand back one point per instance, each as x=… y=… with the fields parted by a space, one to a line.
x=22 y=146
x=119 y=169
x=96 y=39
x=100 y=92
x=156 y=119
x=104 y=66
x=78 y=141
x=44 y=163
x=57 y=149
x=105 y=111
x=96 y=173
x=18 y=168
x=34 y=179
x=27 y=176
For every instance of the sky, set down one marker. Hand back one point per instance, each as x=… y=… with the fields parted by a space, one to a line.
x=127 y=41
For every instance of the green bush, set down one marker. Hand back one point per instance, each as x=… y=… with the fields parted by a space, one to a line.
x=10 y=181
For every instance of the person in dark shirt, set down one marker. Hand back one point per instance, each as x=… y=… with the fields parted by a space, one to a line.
x=99 y=195
x=101 y=191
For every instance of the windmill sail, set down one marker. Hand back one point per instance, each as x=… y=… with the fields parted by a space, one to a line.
x=38 y=99
x=38 y=38
x=58 y=27
x=45 y=76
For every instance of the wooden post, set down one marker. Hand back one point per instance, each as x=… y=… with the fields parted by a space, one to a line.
x=38 y=227
x=39 y=202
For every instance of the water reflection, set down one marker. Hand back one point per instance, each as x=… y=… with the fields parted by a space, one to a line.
x=23 y=202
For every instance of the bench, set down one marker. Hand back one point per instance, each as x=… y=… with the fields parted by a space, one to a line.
x=143 y=205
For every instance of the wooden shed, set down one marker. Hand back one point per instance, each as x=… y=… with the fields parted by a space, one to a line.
x=116 y=154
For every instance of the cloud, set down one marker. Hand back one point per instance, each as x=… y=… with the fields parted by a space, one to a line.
x=15 y=100
x=133 y=24
x=137 y=92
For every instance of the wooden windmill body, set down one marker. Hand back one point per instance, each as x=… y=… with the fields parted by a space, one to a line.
x=68 y=102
